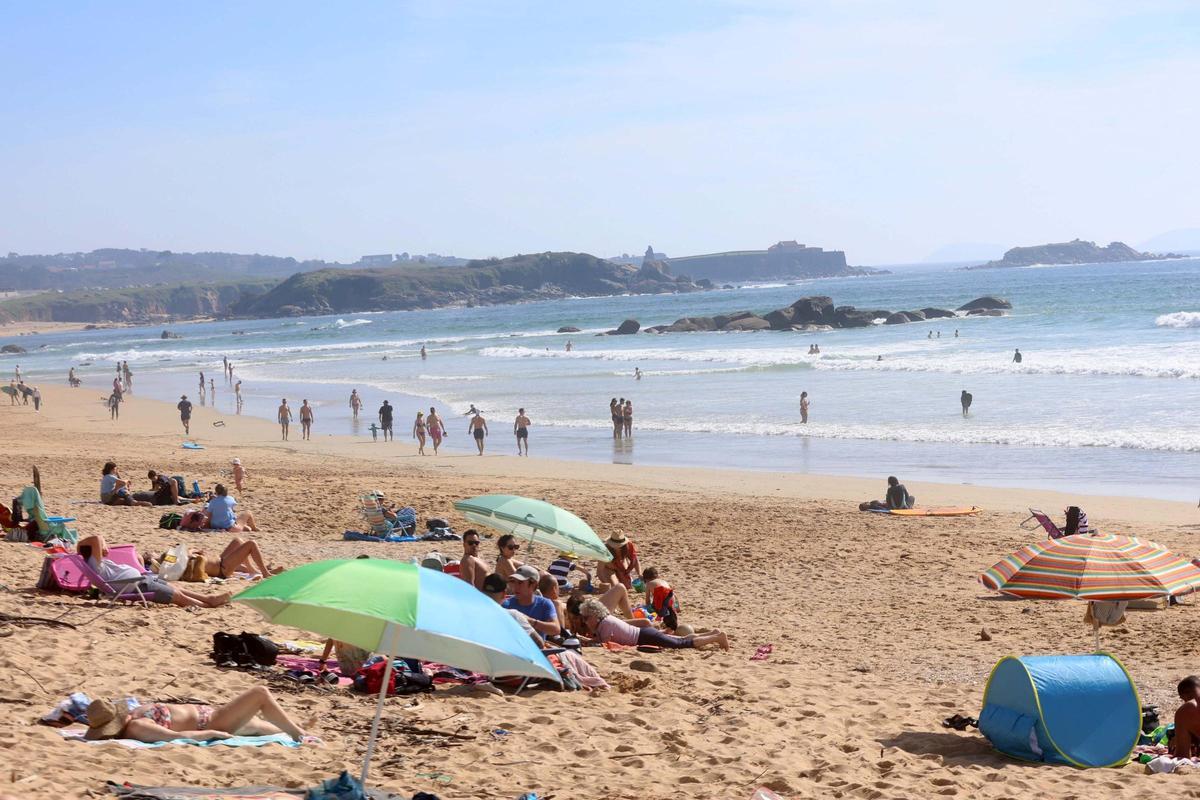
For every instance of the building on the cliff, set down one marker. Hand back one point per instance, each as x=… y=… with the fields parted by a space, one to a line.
x=785 y=259
x=376 y=261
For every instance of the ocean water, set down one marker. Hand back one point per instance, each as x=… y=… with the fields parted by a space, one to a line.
x=1104 y=401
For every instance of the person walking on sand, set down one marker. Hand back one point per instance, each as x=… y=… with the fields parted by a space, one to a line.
x=355 y=403
x=965 y=398
x=478 y=428
x=37 y=400
x=239 y=474
x=114 y=406
x=385 y=420
x=436 y=429
x=627 y=418
x=284 y=415
x=804 y=408
x=185 y=414
x=202 y=382
x=418 y=432
x=306 y=419
x=237 y=391
x=521 y=431
x=1017 y=356
x=117 y=387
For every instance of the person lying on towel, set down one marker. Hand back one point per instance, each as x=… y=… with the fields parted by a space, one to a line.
x=162 y=722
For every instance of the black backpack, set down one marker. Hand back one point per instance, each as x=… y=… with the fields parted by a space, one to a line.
x=261 y=649
x=246 y=650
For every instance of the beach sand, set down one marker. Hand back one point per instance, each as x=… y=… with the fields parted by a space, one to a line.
x=875 y=625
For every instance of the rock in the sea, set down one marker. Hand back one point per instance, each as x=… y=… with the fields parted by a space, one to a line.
x=169 y=335
x=568 y=329
x=691 y=325
x=781 y=319
x=721 y=320
x=12 y=348
x=628 y=326
x=851 y=317
x=898 y=318
x=986 y=303
x=915 y=316
x=751 y=323
x=815 y=310
x=937 y=313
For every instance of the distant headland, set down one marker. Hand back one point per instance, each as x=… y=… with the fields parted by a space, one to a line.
x=787 y=259
x=1073 y=252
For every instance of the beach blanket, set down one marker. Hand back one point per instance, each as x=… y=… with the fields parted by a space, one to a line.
x=131 y=792
x=76 y=735
x=356 y=536
x=313 y=665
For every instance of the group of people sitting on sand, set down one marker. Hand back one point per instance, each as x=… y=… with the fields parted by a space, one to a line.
x=219 y=512
x=598 y=609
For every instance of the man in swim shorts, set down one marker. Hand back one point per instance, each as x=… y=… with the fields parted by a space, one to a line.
x=385 y=420
x=436 y=429
x=306 y=420
x=285 y=417
x=965 y=398
x=478 y=428
x=185 y=414
x=521 y=430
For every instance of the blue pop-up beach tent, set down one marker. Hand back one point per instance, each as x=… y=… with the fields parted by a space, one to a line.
x=1077 y=710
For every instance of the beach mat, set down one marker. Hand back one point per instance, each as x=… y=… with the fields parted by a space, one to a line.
x=945 y=511
x=357 y=536
x=76 y=735
x=192 y=446
x=132 y=792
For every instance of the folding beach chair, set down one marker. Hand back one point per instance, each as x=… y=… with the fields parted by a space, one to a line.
x=61 y=574
x=1052 y=530
x=124 y=590
x=48 y=527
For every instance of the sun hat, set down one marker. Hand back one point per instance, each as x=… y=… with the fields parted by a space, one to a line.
x=567 y=554
x=525 y=573
x=105 y=719
x=617 y=539
x=237 y=462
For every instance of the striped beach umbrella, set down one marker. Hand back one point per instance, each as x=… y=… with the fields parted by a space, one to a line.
x=1093 y=567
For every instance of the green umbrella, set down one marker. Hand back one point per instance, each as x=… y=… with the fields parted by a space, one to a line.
x=537 y=521
x=399 y=610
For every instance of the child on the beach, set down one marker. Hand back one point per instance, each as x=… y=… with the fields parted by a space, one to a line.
x=239 y=473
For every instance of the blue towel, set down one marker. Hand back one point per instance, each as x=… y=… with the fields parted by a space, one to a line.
x=236 y=741
x=355 y=536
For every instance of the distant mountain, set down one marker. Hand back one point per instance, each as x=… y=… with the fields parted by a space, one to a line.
x=965 y=251
x=1184 y=239
x=1073 y=252
x=788 y=259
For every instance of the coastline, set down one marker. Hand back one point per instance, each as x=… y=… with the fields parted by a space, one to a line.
x=874 y=625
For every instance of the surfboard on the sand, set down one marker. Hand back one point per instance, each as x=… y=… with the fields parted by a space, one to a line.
x=944 y=511
x=192 y=446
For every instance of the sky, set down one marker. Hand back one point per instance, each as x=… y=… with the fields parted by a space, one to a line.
x=330 y=130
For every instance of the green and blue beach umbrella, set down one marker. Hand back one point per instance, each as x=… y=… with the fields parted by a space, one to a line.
x=401 y=610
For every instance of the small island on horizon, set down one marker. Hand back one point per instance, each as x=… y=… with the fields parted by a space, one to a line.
x=1076 y=251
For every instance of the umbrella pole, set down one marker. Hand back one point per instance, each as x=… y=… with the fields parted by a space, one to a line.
x=1096 y=633
x=387 y=679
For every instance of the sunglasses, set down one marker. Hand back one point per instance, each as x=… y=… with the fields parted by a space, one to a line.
x=471 y=542
x=512 y=547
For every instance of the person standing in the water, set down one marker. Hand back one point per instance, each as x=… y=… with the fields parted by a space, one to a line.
x=1017 y=356
x=965 y=398
x=355 y=402
x=521 y=431
x=804 y=408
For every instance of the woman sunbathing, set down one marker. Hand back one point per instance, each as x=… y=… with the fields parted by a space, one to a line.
x=240 y=555
x=603 y=627
x=162 y=722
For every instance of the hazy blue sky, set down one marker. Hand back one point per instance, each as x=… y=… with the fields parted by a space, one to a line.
x=330 y=130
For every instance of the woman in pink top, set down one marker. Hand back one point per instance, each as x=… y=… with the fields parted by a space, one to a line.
x=604 y=627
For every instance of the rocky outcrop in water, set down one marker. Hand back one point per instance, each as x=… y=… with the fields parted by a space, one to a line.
x=819 y=314
x=1076 y=251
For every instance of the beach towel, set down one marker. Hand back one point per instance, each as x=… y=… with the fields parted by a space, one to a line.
x=581 y=670
x=132 y=792
x=357 y=536
x=76 y=735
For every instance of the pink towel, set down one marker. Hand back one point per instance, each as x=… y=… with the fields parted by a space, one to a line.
x=584 y=672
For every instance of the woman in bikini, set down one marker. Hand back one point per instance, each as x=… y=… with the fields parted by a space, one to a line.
x=436 y=429
x=162 y=722
x=627 y=417
x=615 y=410
x=239 y=555
x=506 y=562
x=419 y=432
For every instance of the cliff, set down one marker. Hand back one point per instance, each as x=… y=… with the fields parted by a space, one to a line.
x=781 y=260
x=1073 y=252
x=520 y=278
x=137 y=304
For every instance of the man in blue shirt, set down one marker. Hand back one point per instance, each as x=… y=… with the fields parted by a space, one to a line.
x=543 y=615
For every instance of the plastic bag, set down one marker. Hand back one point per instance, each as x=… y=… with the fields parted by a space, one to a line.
x=173 y=563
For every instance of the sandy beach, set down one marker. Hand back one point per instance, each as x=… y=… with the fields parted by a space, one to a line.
x=875 y=624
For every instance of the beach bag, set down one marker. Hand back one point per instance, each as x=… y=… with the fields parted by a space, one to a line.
x=369 y=680
x=17 y=535
x=170 y=521
x=17 y=512
x=261 y=649
x=173 y=563
x=230 y=650
x=194 y=572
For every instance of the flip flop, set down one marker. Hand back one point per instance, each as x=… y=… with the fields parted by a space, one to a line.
x=762 y=652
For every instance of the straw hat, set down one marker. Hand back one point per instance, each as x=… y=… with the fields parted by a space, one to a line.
x=105 y=719
x=617 y=539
